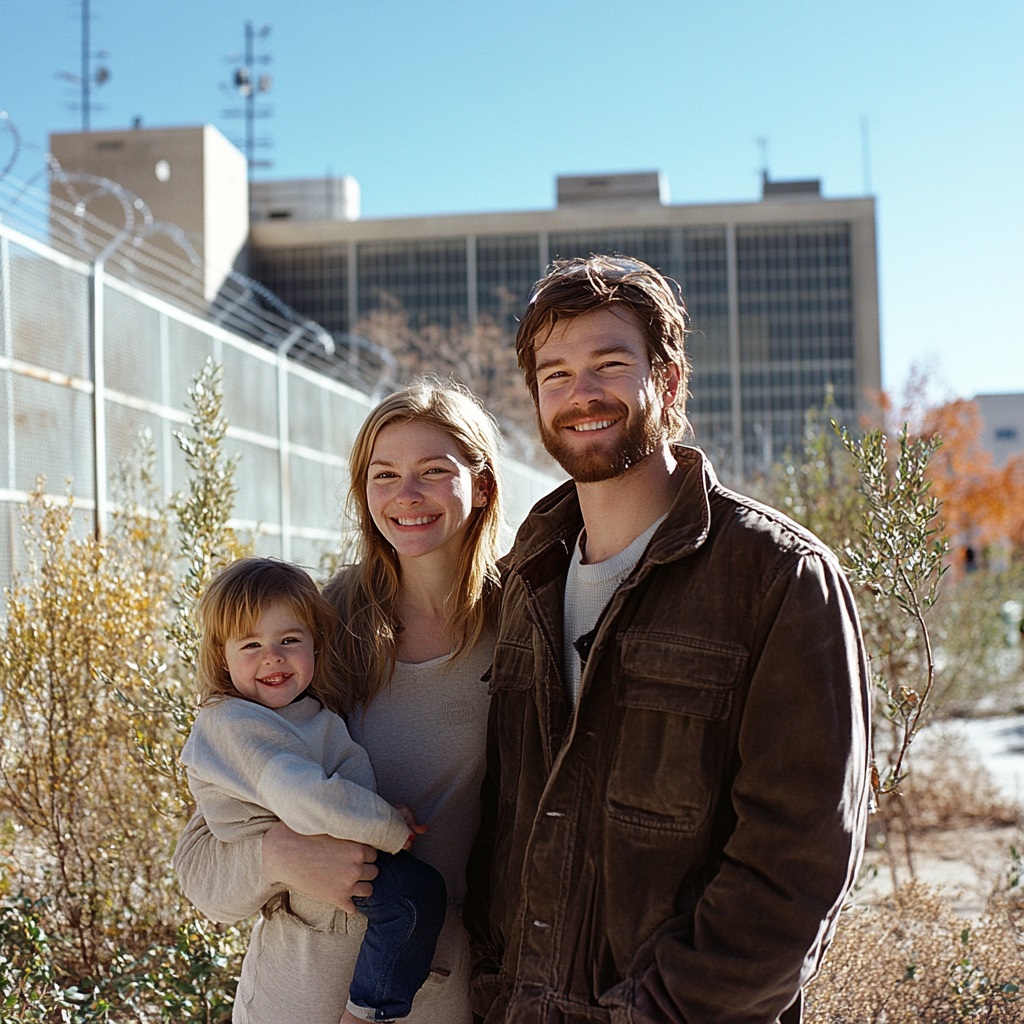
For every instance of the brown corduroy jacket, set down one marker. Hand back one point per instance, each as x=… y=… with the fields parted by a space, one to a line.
x=677 y=850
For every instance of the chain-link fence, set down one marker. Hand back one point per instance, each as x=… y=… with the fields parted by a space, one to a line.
x=89 y=360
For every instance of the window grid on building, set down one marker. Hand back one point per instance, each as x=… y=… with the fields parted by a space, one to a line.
x=791 y=285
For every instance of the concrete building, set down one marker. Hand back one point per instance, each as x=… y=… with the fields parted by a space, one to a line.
x=782 y=292
x=304 y=200
x=193 y=187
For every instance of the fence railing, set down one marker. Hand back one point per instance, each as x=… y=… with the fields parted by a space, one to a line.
x=89 y=360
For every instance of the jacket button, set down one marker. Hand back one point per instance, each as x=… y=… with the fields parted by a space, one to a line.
x=554 y=814
x=541 y=924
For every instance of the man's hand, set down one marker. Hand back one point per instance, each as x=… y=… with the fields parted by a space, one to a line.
x=328 y=869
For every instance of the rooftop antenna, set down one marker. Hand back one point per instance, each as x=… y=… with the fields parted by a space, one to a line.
x=87 y=77
x=250 y=84
x=762 y=148
x=865 y=153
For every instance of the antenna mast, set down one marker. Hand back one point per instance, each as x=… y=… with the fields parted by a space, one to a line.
x=865 y=153
x=250 y=84
x=85 y=79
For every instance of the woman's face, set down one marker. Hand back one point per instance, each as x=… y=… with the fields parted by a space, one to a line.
x=420 y=490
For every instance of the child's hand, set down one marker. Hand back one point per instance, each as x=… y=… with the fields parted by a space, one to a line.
x=410 y=819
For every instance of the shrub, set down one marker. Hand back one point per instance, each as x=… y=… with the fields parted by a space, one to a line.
x=96 y=662
x=913 y=959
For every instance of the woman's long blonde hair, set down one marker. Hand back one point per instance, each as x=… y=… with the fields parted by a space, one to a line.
x=365 y=594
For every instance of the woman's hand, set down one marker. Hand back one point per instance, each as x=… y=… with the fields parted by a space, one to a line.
x=328 y=869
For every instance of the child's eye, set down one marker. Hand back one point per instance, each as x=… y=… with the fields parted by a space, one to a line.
x=250 y=645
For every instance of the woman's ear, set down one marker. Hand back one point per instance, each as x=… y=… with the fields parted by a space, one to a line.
x=481 y=489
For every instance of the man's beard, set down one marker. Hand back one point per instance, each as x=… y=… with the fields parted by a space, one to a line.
x=603 y=459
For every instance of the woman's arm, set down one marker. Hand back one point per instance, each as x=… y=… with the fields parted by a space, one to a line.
x=328 y=869
x=222 y=880
x=231 y=881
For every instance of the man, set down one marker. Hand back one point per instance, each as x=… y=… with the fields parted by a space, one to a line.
x=678 y=744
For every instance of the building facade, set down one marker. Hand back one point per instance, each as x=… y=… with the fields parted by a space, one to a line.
x=783 y=292
x=193 y=190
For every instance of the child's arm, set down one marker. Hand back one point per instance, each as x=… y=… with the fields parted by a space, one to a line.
x=244 y=759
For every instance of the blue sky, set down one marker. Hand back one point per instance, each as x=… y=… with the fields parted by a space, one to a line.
x=470 y=106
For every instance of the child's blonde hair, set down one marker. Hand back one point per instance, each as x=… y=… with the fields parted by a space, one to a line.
x=235 y=601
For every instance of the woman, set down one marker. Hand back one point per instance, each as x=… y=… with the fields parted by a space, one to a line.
x=417 y=610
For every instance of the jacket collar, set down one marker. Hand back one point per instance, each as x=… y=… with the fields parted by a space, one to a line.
x=555 y=521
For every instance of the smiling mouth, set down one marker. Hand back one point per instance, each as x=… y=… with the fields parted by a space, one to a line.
x=275 y=679
x=414 y=520
x=591 y=425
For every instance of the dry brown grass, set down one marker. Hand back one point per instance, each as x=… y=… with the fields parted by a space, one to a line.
x=911 y=957
x=936 y=931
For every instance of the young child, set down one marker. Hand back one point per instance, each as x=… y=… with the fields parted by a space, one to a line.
x=263 y=748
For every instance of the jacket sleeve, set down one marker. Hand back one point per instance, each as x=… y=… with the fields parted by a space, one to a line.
x=222 y=880
x=800 y=795
x=246 y=757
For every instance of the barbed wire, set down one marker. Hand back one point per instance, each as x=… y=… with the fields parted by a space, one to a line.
x=59 y=208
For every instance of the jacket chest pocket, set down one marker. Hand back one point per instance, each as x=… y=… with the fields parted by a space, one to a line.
x=673 y=698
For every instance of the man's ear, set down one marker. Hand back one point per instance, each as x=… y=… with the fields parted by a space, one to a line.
x=670 y=378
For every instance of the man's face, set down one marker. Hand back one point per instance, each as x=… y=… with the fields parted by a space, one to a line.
x=599 y=405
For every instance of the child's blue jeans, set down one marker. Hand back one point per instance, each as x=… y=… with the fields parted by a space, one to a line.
x=403 y=919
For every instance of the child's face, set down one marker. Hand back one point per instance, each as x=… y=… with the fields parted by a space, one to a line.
x=274 y=664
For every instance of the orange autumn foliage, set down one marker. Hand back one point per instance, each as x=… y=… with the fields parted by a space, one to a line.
x=981 y=504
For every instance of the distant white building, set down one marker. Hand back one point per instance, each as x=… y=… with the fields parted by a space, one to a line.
x=304 y=200
x=1002 y=425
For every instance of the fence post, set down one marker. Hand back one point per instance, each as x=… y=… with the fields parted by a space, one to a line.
x=284 y=446
x=8 y=508
x=99 y=396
